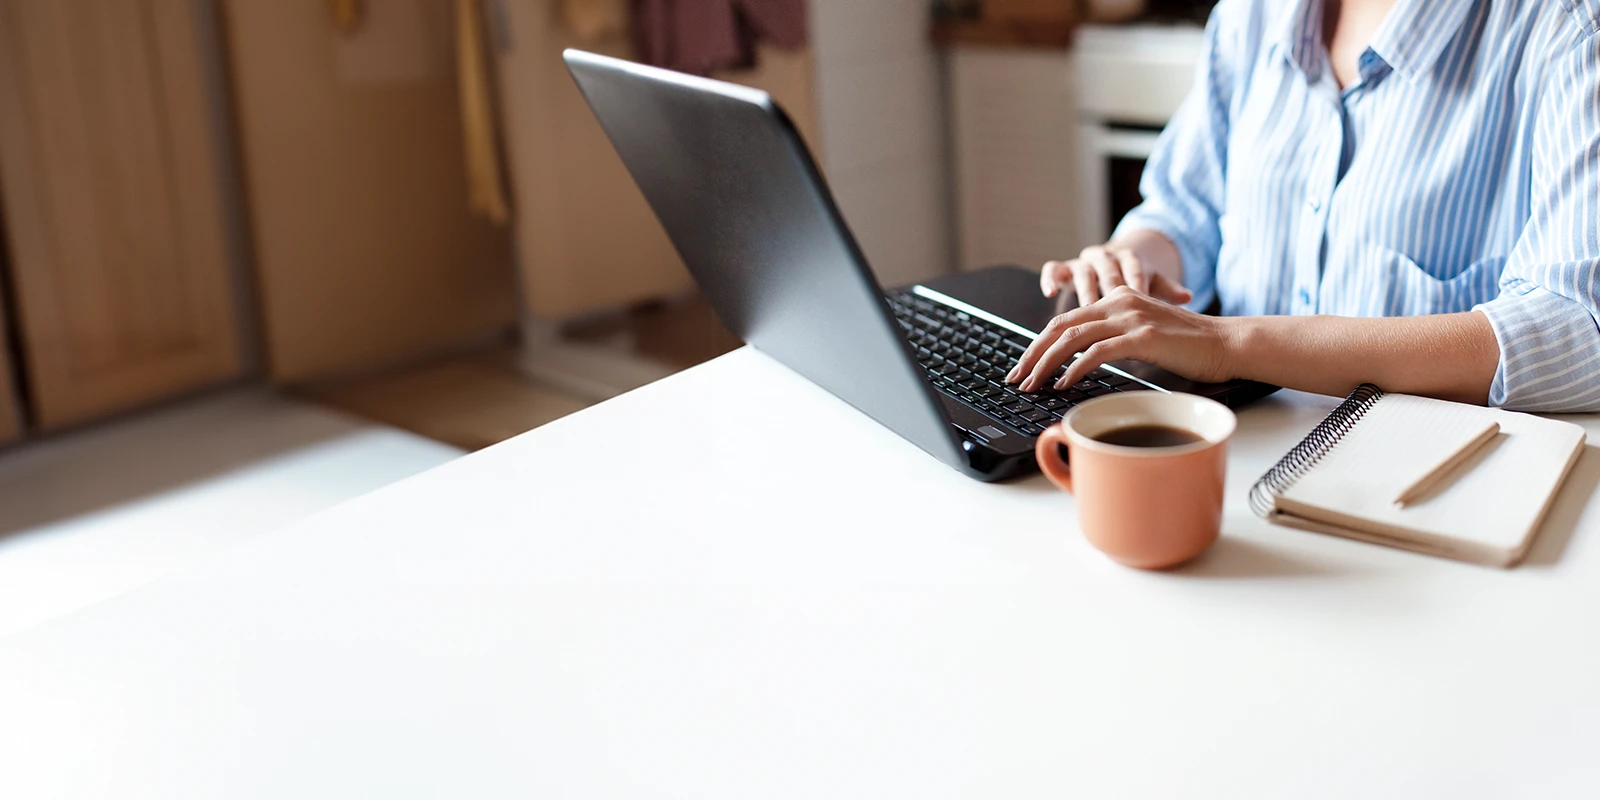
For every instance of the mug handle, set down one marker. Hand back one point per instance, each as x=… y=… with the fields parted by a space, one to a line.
x=1048 y=453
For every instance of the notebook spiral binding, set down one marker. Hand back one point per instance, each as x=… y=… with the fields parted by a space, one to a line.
x=1311 y=449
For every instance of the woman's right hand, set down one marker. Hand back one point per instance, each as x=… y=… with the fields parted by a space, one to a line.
x=1099 y=269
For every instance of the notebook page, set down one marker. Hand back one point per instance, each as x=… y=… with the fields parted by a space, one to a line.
x=1492 y=501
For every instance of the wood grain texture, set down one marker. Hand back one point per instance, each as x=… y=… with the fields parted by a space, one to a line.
x=10 y=403
x=114 y=205
x=365 y=247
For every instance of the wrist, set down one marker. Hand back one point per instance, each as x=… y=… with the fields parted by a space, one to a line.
x=1241 y=340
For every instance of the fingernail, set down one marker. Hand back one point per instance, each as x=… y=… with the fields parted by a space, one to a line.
x=1062 y=384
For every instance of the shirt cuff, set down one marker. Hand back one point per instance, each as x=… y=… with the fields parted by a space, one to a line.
x=1198 y=261
x=1549 y=351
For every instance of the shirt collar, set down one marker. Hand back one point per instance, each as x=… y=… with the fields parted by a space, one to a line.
x=1299 y=37
x=1416 y=33
x=1411 y=39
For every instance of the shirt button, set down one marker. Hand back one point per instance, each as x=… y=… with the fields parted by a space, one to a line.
x=1305 y=296
x=1316 y=205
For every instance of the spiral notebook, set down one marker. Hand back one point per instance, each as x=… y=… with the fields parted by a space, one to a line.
x=1344 y=478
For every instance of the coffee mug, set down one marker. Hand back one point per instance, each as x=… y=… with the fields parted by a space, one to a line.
x=1147 y=471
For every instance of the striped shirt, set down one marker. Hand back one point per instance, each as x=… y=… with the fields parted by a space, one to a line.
x=1461 y=171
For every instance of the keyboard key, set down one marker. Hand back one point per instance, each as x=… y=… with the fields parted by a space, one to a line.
x=1036 y=416
x=1089 y=387
x=1052 y=403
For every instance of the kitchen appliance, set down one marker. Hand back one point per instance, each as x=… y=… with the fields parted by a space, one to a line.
x=1130 y=80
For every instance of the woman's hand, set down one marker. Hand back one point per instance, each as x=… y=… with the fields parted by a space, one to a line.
x=1099 y=269
x=1127 y=324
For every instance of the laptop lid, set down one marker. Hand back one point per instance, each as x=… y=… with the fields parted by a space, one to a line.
x=737 y=191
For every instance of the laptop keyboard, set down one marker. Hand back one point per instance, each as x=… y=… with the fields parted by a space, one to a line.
x=968 y=358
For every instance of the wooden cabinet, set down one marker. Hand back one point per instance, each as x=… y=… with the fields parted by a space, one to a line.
x=366 y=251
x=10 y=406
x=587 y=241
x=114 y=204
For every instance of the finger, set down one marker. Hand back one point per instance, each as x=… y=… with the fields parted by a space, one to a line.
x=1163 y=289
x=1106 y=268
x=1046 y=338
x=1133 y=272
x=1116 y=348
x=1053 y=277
x=1064 y=349
x=1083 y=277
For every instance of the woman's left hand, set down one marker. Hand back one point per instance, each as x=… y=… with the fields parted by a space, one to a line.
x=1128 y=325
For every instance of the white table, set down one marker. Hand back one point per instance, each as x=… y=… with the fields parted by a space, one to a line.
x=729 y=584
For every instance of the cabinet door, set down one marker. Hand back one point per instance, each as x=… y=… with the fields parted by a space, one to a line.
x=10 y=409
x=587 y=240
x=114 y=203
x=366 y=250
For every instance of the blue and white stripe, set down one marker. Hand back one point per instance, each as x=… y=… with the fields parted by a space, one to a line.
x=1460 y=172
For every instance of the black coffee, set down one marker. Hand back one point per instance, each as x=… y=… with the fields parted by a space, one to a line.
x=1148 y=436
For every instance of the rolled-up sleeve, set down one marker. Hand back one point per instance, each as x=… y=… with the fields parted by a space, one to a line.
x=1184 y=184
x=1545 y=316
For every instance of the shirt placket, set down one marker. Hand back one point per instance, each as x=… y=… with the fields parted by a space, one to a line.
x=1329 y=161
x=1322 y=179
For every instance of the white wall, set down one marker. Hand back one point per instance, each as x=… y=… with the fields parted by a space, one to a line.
x=879 y=86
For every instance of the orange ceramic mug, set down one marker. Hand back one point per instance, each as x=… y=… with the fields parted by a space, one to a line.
x=1146 y=507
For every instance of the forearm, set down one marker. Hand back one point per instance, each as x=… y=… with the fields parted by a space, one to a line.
x=1449 y=356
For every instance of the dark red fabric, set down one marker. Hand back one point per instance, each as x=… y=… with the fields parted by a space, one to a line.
x=700 y=36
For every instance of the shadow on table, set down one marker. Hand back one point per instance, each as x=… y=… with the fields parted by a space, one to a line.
x=1569 y=507
x=1236 y=558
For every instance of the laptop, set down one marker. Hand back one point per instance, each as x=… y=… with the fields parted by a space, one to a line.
x=738 y=193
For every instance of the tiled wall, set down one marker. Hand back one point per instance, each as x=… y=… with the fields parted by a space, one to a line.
x=883 y=133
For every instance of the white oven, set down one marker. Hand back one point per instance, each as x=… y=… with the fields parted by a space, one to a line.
x=1049 y=144
x=1129 y=81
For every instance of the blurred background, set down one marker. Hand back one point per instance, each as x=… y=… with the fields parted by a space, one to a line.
x=265 y=255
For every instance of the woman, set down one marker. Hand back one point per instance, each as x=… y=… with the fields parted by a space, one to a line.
x=1400 y=192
